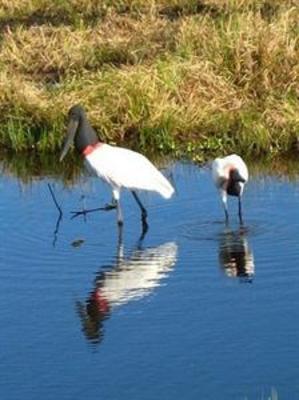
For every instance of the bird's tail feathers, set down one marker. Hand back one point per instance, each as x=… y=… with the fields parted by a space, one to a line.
x=166 y=189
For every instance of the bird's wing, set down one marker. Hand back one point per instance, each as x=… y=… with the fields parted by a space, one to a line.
x=218 y=172
x=126 y=168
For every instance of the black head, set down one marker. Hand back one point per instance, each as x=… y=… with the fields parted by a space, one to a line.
x=76 y=112
x=235 y=183
x=79 y=131
x=235 y=176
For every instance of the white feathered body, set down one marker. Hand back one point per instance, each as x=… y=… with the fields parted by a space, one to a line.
x=221 y=168
x=123 y=168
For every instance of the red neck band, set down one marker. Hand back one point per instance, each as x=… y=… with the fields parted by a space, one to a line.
x=90 y=148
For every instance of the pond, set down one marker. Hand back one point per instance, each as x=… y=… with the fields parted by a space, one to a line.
x=196 y=309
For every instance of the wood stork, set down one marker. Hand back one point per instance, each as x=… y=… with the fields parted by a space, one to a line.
x=119 y=167
x=230 y=175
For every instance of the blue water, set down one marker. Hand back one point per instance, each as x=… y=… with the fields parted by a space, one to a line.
x=195 y=310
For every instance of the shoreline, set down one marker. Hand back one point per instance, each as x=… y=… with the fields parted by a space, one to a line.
x=172 y=77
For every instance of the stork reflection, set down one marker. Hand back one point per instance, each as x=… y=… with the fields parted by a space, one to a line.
x=128 y=278
x=235 y=256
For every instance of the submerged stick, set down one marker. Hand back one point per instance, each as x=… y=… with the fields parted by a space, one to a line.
x=55 y=234
x=54 y=199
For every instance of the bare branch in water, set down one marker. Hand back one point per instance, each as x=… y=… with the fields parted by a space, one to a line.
x=54 y=199
x=59 y=217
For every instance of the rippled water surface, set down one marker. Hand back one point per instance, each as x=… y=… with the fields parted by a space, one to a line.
x=194 y=310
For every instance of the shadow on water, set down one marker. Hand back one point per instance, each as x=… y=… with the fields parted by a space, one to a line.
x=235 y=256
x=129 y=277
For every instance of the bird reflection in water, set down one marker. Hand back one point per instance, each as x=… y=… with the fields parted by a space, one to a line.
x=235 y=255
x=129 y=278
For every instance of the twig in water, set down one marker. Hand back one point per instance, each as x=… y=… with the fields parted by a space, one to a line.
x=55 y=234
x=54 y=199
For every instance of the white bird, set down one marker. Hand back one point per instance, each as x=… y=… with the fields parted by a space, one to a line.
x=119 y=167
x=230 y=175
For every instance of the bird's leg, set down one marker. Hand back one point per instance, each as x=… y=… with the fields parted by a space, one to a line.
x=240 y=211
x=143 y=213
x=120 y=220
x=223 y=195
x=116 y=198
x=141 y=206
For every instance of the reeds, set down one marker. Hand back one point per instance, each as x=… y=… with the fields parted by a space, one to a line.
x=171 y=76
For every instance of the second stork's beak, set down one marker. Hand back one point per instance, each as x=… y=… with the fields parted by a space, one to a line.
x=70 y=135
x=237 y=177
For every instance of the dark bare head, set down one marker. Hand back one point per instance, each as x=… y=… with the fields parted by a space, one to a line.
x=79 y=131
x=76 y=112
x=235 y=183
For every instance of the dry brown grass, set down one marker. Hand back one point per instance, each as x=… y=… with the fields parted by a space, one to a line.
x=49 y=53
x=207 y=75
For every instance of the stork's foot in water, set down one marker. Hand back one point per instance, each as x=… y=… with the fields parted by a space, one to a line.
x=107 y=207
x=144 y=227
x=144 y=221
x=143 y=213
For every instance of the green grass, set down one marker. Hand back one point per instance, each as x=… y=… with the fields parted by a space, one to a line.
x=180 y=77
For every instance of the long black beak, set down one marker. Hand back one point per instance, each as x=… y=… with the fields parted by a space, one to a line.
x=237 y=177
x=70 y=135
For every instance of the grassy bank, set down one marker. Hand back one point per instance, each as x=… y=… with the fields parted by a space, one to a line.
x=176 y=76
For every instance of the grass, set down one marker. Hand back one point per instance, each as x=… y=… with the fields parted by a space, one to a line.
x=180 y=77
